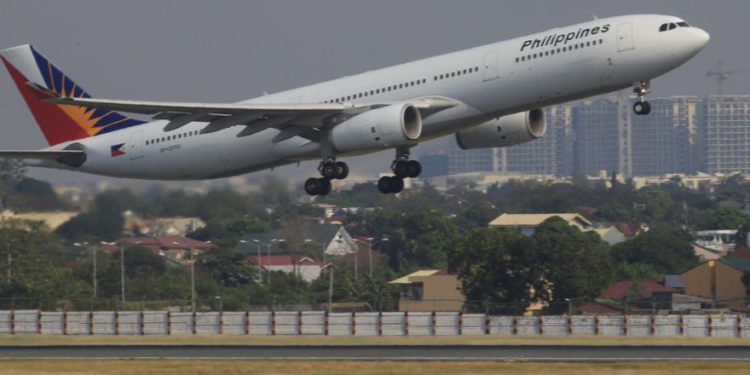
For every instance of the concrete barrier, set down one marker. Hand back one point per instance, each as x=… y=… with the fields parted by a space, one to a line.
x=638 y=325
x=582 y=325
x=367 y=324
x=28 y=322
x=555 y=325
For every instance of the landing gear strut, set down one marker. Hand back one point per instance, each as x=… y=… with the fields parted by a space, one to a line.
x=329 y=169
x=402 y=168
x=641 y=89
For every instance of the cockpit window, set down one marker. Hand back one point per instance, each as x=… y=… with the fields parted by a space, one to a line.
x=663 y=27
x=682 y=24
x=672 y=26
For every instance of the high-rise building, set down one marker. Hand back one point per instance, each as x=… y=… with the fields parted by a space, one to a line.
x=601 y=130
x=727 y=134
x=670 y=139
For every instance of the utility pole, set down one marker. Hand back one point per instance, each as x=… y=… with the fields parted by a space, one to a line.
x=192 y=280
x=122 y=273
x=93 y=253
x=330 y=287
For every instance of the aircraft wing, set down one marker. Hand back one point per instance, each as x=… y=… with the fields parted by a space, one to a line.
x=305 y=120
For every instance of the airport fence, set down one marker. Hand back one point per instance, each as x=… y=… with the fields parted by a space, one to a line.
x=321 y=323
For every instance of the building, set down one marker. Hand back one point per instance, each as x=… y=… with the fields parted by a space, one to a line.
x=332 y=239
x=429 y=290
x=670 y=139
x=602 y=136
x=52 y=220
x=719 y=241
x=307 y=268
x=727 y=134
x=611 y=235
x=174 y=248
x=719 y=280
x=163 y=226
x=527 y=223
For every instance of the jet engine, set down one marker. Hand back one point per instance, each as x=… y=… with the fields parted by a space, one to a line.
x=505 y=131
x=385 y=127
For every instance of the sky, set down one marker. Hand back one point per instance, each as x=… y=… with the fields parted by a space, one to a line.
x=225 y=51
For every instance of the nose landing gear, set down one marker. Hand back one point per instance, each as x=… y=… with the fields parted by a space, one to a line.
x=641 y=89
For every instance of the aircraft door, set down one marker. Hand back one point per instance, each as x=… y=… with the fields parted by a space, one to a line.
x=625 y=37
x=491 y=71
x=135 y=146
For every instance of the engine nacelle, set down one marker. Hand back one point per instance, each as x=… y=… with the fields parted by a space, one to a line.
x=505 y=131
x=385 y=127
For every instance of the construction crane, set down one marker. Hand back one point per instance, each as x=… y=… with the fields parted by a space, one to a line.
x=722 y=75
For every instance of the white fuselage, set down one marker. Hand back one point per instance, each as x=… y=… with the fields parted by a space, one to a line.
x=489 y=81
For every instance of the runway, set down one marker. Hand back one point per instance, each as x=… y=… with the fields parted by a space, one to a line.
x=383 y=352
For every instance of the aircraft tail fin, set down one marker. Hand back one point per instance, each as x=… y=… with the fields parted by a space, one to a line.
x=38 y=79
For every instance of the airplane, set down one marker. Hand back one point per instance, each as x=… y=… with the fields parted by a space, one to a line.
x=489 y=96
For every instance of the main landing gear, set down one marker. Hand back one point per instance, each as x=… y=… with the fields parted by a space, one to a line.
x=402 y=168
x=329 y=169
x=641 y=89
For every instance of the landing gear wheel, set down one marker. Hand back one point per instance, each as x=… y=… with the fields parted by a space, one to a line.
x=325 y=186
x=402 y=169
x=317 y=186
x=642 y=108
x=397 y=185
x=328 y=170
x=415 y=168
x=342 y=170
x=391 y=184
x=312 y=186
x=384 y=185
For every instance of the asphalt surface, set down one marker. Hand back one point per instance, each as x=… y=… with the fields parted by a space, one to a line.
x=395 y=352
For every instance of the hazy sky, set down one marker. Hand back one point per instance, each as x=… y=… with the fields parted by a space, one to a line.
x=232 y=50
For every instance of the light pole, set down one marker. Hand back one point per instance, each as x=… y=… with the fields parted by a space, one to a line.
x=371 y=241
x=330 y=286
x=84 y=245
x=122 y=267
x=270 y=244
x=260 y=269
x=192 y=275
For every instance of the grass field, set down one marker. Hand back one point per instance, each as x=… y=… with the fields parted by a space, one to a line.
x=329 y=340
x=168 y=367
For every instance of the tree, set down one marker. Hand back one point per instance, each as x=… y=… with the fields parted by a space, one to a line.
x=574 y=264
x=227 y=266
x=498 y=271
x=665 y=247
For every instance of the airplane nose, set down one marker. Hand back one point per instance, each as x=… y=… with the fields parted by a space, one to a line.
x=702 y=37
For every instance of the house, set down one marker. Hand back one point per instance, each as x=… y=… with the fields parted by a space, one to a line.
x=720 y=241
x=174 y=248
x=332 y=239
x=429 y=290
x=307 y=268
x=527 y=223
x=52 y=220
x=720 y=280
x=634 y=290
x=705 y=253
x=161 y=226
x=611 y=235
x=645 y=296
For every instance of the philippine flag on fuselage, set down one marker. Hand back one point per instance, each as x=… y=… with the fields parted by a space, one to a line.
x=117 y=150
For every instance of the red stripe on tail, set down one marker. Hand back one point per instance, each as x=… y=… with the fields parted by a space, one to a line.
x=57 y=126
